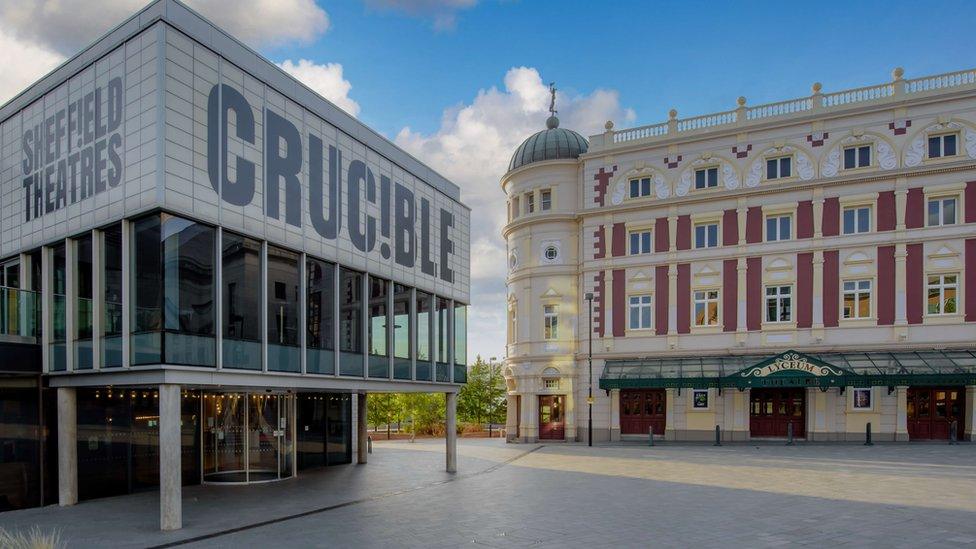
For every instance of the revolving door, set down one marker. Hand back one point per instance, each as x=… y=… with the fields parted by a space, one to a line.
x=247 y=437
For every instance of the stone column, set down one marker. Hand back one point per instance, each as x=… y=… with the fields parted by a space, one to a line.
x=569 y=409
x=901 y=412
x=361 y=429
x=614 y=415
x=969 y=423
x=741 y=327
x=818 y=266
x=67 y=446
x=511 y=417
x=901 y=286
x=450 y=435
x=170 y=459
x=530 y=417
x=669 y=433
x=672 y=299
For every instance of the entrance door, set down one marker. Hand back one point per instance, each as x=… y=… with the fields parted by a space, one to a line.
x=641 y=410
x=551 y=421
x=247 y=437
x=932 y=409
x=772 y=410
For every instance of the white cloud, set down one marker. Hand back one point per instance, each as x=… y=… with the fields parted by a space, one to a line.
x=326 y=80
x=24 y=64
x=443 y=13
x=473 y=146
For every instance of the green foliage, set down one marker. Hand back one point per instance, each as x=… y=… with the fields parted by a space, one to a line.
x=424 y=411
x=482 y=398
x=381 y=409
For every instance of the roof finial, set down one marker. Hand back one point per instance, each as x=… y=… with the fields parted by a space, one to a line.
x=552 y=122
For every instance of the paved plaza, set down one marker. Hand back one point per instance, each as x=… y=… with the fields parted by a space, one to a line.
x=566 y=495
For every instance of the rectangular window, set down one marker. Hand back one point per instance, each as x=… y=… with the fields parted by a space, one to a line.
x=401 y=331
x=942 y=211
x=706 y=235
x=857 y=299
x=942 y=291
x=706 y=308
x=379 y=291
x=862 y=398
x=516 y=207
x=550 y=318
x=942 y=145
x=460 y=342
x=320 y=316
x=779 y=303
x=59 y=321
x=545 y=200
x=706 y=178
x=640 y=312
x=350 y=323
x=83 y=307
x=778 y=168
x=284 y=354
x=640 y=242
x=441 y=335
x=529 y=203
x=778 y=227
x=550 y=383
x=857 y=220
x=699 y=399
x=422 y=344
x=112 y=297
x=857 y=157
x=640 y=187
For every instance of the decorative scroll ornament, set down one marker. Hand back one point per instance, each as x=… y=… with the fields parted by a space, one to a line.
x=684 y=184
x=794 y=362
x=970 y=145
x=661 y=187
x=619 y=192
x=804 y=166
x=729 y=177
x=830 y=165
x=916 y=151
x=886 y=156
x=620 y=189
x=755 y=173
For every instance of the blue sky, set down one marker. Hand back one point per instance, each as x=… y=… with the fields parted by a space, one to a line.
x=460 y=83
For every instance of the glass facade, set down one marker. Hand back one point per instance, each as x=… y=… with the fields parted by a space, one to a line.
x=112 y=297
x=21 y=464
x=460 y=343
x=324 y=429
x=320 y=316
x=284 y=351
x=83 y=303
x=350 y=323
x=241 y=287
x=441 y=336
x=424 y=307
x=59 y=332
x=379 y=356
x=402 y=359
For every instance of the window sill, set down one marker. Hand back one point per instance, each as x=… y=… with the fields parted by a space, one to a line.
x=777 y=326
x=701 y=330
x=858 y=322
x=936 y=320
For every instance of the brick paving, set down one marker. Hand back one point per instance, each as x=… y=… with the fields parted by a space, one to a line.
x=567 y=495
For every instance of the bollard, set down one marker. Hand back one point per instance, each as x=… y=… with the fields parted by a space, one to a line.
x=369 y=445
x=789 y=434
x=718 y=436
x=650 y=436
x=954 y=432
x=867 y=435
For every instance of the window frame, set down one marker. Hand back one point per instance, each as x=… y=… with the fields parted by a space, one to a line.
x=643 y=301
x=706 y=301
x=941 y=200
x=545 y=200
x=778 y=162
x=854 y=399
x=640 y=187
x=779 y=298
x=644 y=236
x=779 y=217
x=529 y=203
x=857 y=208
x=942 y=286
x=941 y=138
x=856 y=292
x=707 y=170
x=550 y=322
x=857 y=156
x=705 y=225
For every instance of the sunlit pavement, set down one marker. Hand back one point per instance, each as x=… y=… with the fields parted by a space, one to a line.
x=568 y=495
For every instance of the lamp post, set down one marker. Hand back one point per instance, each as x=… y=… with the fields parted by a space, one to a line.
x=491 y=393
x=589 y=396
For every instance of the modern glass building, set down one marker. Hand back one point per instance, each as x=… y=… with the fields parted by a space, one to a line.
x=205 y=268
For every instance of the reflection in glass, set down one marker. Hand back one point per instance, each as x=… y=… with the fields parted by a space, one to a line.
x=83 y=307
x=460 y=342
x=401 y=332
x=241 y=287
x=147 y=291
x=59 y=320
x=441 y=336
x=112 y=297
x=379 y=364
x=424 y=369
x=284 y=354
x=320 y=313
x=350 y=323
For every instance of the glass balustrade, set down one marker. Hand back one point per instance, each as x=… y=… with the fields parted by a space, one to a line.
x=20 y=313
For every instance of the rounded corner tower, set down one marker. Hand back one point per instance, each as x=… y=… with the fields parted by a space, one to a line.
x=541 y=234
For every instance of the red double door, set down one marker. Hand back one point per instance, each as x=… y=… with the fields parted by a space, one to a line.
x=771 y=411
x=642 y=409
x=931 y=410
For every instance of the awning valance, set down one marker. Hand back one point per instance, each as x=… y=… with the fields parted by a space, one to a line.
x=795 y=369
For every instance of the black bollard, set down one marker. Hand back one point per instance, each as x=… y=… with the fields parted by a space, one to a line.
x=650 y=436
x=718 y=436
x=369 y=445
x=867 y=435
x=789 y=434
x=954 y=432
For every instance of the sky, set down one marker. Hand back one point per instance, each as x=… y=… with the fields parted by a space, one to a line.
x=460 y=83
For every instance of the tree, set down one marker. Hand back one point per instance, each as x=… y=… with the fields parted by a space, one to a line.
x=425 y=410
x=482 y=398
x=382 y=409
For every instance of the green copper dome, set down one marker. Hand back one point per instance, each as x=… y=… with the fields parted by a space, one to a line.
x=552 y=143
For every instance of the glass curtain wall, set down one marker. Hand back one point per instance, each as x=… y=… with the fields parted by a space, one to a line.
x=460 y=343
x=20 y=458
x=379 y=357
x=441 y=335
x=241 y=273
x=320 y=313
x=247 y=437
x=284 y=351
x=173 y=317
x=59 y=333
x=83 y=308
x=424 y=369
x=402 y=363
x=112 y=297
x=350 y=323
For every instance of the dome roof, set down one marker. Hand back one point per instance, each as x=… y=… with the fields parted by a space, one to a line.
x=552 y=143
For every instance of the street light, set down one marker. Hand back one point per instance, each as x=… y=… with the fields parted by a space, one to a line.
x=589 y=397
x=491 y=389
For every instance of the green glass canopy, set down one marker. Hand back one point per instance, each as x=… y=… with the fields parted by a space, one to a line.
x=795 y=369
